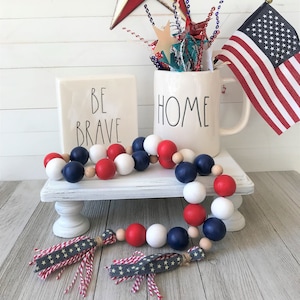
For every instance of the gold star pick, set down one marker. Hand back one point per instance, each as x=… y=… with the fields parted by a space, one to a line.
x=164 y=40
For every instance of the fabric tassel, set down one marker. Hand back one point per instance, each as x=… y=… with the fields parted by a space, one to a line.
x=80 y=249
x=140 y=267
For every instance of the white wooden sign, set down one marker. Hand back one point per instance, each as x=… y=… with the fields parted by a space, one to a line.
x=97 y=110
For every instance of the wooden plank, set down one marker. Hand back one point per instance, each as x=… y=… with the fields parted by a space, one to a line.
x=168 y=212
x=264 y=241
x=64 y=8
x=226 y=274
x=259 y=262
x=15 y=140
x=36 y=234
x=15 y=213
x=32 y=167
x=32 y=121
x=67 y=8
x=25 y=88
x=72 y=55
x=34 y=88
x=97 y=28
x=6 y=190
x=29 y=120
x=281 y=205
x=246 y=267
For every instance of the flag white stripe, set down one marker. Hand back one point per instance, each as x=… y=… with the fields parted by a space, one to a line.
x=288 y=74
x=291 y=79
x=262 y=78
x=254 y=89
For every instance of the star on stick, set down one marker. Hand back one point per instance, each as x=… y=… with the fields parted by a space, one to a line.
x=165 y=40
x=126 y=7
x=123 y=9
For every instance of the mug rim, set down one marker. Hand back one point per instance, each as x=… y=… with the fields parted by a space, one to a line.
x=187 y=72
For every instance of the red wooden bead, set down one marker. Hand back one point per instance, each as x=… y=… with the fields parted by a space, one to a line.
x=51 y=155
x=166 y=163
x=135 y=235
x=114 y=150
x=194 y=214
x=166 y=149
x=224 y=185
x=105 y=168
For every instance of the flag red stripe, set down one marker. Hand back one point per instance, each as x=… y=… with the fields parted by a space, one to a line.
x=297 y=57
x=265 y=73
x=295 y=72
x=255 y=78
x=288 y=86
x=250 y=94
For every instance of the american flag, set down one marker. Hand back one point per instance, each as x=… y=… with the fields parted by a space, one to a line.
x=264 y=55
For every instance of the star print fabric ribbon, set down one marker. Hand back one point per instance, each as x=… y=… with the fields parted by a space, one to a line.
x=65 y=253
x=140 y=267
x=80 y=249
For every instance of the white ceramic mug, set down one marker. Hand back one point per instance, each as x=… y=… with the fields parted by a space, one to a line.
x=187 y=110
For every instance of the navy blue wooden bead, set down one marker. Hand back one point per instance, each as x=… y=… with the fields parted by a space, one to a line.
x=178 y=238
x=185 y=172
x=79 y=154
x=141 y=160
x=214 y=229
x=204 y=163
x=138 y=144
x=73 y=171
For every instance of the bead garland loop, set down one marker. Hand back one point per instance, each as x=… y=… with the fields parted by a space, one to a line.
x=104 y=163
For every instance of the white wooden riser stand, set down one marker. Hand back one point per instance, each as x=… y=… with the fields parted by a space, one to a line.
x=155 y=182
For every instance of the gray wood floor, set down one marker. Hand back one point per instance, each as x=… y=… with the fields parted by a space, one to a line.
x=259 y=262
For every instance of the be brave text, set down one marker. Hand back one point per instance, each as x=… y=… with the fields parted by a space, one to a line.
x=105 y=129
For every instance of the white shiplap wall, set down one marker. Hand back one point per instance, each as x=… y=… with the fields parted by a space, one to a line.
x=44 y=39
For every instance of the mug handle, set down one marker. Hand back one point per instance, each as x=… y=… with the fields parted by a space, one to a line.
x=241 y=124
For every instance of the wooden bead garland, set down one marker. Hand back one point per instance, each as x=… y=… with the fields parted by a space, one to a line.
x=117 y=159
x=143 y=152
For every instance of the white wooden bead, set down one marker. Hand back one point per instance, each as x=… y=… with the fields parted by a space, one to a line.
x=97 y=152
x=194 y=192
x=156 y=235
x=188 y=155
x=124 y=163
x=150 y=144
x=222 y=208
x=54 y=168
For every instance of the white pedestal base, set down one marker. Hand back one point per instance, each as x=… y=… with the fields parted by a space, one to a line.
x=237 y=221
x=71 y=222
